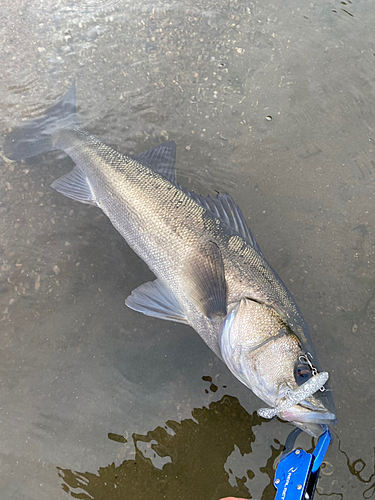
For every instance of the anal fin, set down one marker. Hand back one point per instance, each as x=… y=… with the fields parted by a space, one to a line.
x=75 y=185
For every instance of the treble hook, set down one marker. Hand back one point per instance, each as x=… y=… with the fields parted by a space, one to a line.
x=292 y=398
x=304 y=358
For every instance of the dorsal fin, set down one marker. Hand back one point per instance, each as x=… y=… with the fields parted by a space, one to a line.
x=161 y=159
x=224 y=208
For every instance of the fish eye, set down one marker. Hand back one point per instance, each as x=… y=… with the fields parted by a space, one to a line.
x=302 y=373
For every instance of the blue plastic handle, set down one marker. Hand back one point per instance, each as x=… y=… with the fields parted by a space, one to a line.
x=297 y=473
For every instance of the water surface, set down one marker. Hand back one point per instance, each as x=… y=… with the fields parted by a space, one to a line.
x=272 y=102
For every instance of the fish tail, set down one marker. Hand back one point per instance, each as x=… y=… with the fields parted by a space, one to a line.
x=36 y=136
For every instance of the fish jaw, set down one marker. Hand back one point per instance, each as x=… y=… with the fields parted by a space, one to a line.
x=310 y=421
x=262 y=352
x=309 y=411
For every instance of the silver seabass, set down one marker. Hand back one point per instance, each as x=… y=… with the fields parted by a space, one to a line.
x=210 y=271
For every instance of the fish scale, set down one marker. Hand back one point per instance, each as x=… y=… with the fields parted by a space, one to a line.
x=161 y=223
x=211 y=274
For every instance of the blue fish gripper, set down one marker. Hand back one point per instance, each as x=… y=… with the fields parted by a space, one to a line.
x=297 y=473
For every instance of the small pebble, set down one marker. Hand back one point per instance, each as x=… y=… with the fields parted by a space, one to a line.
x=37 y=283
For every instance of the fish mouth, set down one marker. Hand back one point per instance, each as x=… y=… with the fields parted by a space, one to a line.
x=304 y=412
x=311 y=421
x=302 y=408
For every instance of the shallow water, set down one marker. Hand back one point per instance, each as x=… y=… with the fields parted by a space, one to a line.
x=272 y=102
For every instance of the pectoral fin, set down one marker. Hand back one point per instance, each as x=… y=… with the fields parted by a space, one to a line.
x=204 y=280
x=156 y=299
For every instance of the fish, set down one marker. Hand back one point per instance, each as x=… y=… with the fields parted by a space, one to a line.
x=209 y=270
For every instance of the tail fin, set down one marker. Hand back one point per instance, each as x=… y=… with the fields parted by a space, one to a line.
x=35 y=137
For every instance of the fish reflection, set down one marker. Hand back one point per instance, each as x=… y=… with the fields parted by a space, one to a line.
x=194 y=453
x=193 y=459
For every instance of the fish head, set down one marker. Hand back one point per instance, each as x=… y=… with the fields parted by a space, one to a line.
x=262 y=351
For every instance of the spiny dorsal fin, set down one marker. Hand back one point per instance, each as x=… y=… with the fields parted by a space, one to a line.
x=224 y=208
x=162 y=159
